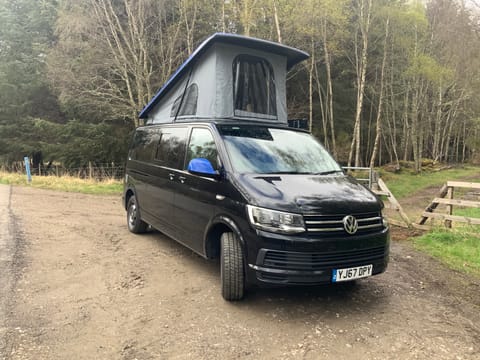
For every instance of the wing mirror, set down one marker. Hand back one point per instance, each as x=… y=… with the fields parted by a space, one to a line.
x=202 y=167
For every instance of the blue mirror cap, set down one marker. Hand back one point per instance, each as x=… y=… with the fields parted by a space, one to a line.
x=201 y=166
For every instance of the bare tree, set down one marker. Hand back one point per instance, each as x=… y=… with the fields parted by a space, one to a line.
x=364 y=11
x=277 y=22
x=122 y=51
x=378 y=128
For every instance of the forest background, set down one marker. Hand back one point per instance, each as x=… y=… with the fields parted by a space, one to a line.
x=388 y=80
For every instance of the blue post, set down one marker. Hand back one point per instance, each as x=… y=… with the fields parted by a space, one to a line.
x=27 y=168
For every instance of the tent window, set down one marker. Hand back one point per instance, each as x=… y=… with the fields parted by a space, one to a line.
x=189 y=104
x=253 y=86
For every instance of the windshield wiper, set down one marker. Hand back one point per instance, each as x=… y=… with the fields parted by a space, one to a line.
x=303 y=172
x=329 y=172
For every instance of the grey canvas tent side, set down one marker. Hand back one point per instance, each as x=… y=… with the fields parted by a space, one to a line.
x=227 y=77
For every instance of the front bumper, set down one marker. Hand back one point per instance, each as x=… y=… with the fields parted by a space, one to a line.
x=284 y=260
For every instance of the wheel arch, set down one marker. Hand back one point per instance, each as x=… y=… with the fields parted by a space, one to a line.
x=216 y=228
x=128 y=194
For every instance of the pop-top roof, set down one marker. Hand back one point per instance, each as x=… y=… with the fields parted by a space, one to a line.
x=292 y=55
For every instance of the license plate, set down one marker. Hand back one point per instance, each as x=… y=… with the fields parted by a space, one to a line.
x=351 y=273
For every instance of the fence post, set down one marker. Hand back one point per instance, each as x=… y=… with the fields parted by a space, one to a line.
x=27 y=169
x=448 y=223
x=90 y=169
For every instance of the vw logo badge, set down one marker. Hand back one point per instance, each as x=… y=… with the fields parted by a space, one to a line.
x=350 y=224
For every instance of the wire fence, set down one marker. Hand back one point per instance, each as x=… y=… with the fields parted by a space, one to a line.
x=90 y=171
x=116 y=172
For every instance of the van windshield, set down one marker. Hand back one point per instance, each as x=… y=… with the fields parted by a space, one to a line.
x=265 y=150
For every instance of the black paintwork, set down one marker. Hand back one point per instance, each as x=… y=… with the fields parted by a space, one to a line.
x=318 y=194
x=186 y=206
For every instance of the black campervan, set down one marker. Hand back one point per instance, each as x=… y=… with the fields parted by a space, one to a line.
x=217 y=168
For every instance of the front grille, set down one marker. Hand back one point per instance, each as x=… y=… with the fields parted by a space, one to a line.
x=285 y=260
x=333 y=224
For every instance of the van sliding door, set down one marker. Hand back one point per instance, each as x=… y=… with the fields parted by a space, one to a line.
x=168 y=159
x=195 y=195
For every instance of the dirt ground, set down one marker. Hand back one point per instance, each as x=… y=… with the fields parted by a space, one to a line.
x=83 y=287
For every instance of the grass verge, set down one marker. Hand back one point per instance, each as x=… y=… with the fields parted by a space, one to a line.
x=458 y=248
x=405 y=183
x=65 y=183
x=467 y=212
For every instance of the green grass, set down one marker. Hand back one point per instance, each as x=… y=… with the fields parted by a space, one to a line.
x=458 y=248
x=65 y=183
x=405 y=183
x=468 y=212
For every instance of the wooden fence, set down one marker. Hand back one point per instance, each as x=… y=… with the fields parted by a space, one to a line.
x=371 y=179
x=445 y=197
x=381 y=189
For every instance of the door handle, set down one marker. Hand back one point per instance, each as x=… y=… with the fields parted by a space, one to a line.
x=182 y=179
x=171 y=176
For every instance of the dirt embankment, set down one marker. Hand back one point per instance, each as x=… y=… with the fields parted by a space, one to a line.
x=88 y=289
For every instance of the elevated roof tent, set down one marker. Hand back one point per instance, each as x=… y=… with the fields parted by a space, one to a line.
x=227 y=76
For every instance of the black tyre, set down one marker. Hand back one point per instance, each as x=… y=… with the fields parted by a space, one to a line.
x=232 y=267
x=135 y=224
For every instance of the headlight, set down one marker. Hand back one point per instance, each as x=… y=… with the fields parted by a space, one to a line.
x=275 y=221
x=384 y=221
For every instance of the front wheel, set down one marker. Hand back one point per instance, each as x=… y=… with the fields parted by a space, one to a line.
x=232 y=272
x=135 y=224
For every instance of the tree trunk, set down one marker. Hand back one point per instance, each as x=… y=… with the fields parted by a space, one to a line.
x=380 y=100
x=277 y=23
x=406 y=123
x=310 y=87
x=329 y=96
x=361 y=68
x=322 y=110
x=437 y=127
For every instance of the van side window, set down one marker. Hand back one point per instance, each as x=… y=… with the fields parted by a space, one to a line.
x=143 y=145
x=171 y=147
x=202 y=145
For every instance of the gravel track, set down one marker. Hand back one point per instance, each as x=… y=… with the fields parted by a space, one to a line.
x=82 y=287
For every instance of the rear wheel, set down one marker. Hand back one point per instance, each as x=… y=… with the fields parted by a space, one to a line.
x=135 y=224
x=232 y=267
